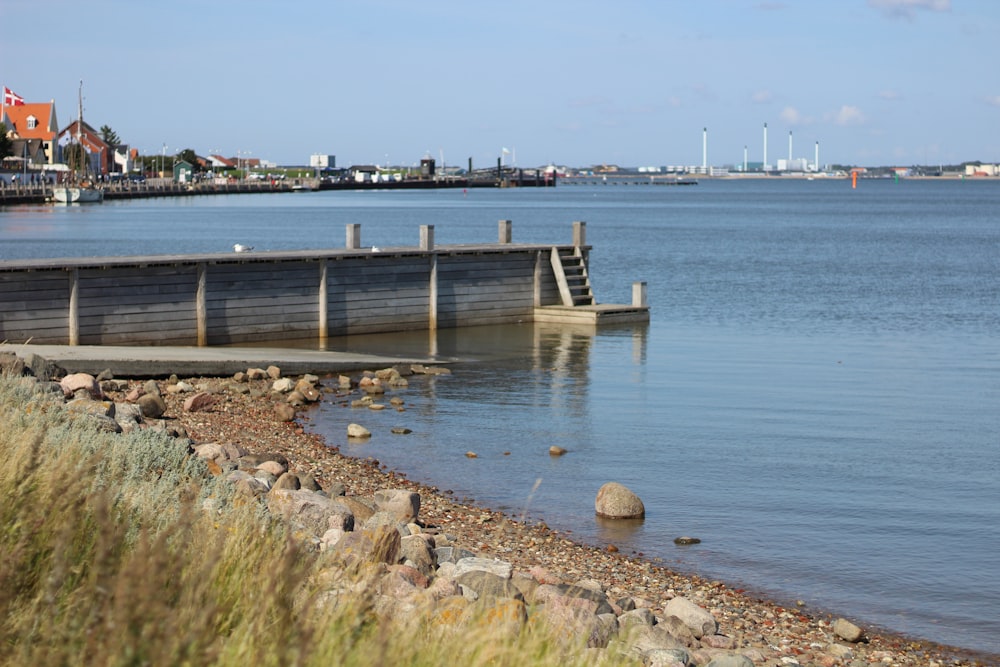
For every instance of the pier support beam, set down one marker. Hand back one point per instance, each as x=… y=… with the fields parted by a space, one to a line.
x=639 y=294
x=579 y=234
x=505 y=231
x=201 y=312
x=324 y=323
x=74 y=307
x=353 y=237
x=427 y=237
x=432 y=289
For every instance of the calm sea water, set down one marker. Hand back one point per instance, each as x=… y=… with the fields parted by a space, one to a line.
x=816 y=397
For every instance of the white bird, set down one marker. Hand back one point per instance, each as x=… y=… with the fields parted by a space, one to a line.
x=376 y=249
x=239 y=247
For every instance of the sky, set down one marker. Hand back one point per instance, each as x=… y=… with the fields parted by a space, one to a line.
x=567 y=82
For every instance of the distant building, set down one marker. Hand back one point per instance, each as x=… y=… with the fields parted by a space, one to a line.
x=982 y=170
x=100 y=156
x=34 y=121
x=323 y=161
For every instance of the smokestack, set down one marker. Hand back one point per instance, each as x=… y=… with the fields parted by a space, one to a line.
x=704 y=148
x=817 y=156
x=789 y=145
x=744 y=158
x=764 y=165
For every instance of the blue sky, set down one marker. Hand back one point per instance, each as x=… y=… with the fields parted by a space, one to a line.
x=875 y=82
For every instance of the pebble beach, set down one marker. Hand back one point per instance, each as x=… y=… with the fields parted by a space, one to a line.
x=607 y=599
x=249 y=413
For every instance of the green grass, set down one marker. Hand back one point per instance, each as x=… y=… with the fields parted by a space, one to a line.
x=123 y=550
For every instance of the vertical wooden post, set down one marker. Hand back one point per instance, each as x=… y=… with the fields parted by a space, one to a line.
x=201 y=311
x=323 y=304
x=74 y=307
x=427 y=237
x=353 y=236
x=432 y=288
x=579 y=234
x=639 y=293
x=506 y=231
x=537 y=280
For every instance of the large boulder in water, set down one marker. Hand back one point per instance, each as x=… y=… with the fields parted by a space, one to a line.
x=616 y=501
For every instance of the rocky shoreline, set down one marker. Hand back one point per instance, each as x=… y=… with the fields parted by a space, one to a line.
x=250 y=428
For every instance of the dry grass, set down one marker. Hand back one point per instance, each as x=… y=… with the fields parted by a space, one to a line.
x=122 y=550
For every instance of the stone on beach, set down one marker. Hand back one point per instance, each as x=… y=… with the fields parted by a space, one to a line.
x=616 y=501
x=696 y=619
x=847 y=630
x=81 y=381
x=357 y=431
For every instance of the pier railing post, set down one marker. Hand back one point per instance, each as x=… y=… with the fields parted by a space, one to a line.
x=74 y=307
x=353 y=237
x=505 y=231
x=201 y=312
x=427 y=237
x=639 y=294
x=323 y=305
x=579 y=234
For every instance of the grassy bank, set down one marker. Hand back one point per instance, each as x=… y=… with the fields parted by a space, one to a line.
x=123 y=550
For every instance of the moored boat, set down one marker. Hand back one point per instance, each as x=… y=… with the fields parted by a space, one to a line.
x=77 y=194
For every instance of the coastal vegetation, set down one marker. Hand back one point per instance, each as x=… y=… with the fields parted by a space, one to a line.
x=124 y=550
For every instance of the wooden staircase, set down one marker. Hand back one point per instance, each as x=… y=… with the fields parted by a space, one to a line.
x=571 y=275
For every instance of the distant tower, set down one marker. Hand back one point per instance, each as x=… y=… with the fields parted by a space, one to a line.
x=764 y=166
x=789 y=145
x=744 y=158
x=817 y=156
x=704 y=148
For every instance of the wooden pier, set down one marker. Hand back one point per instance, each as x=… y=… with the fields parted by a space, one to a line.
x=232 y=298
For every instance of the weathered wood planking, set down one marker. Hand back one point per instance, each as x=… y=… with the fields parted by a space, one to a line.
x=222 y=299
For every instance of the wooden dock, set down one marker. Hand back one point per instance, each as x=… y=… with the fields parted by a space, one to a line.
x=256 y=297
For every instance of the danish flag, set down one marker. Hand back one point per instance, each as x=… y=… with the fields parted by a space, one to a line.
x=12 y=99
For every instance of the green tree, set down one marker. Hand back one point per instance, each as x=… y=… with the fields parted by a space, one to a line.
x=109 y=136
x=6 y=145
x=188 y=155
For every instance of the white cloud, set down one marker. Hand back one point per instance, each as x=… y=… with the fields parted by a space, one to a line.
x=907 y=9
x=792 y=116
x=889 y=95
x=761 y=97
x=847 y=115
x=993 y=101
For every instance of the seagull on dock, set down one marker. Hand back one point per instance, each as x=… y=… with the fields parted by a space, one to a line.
x=239 y=247
x=376 y=249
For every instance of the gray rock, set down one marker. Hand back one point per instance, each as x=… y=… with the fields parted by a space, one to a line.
x=847 y=630
x=273 y=467
x=357 y=431
x=150 y=387
x=615 y=501
x=43 y=369
x=152 y=405
x=730 y=660
x=485 y=583
x=309 y=510
x=418 y=552
x=698 y=620
x=287 y=481
x=496 y=567
x=405 y=505
x=452 y=554
x=283 y=385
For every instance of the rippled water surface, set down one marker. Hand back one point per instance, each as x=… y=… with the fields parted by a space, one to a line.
x=816 y=397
